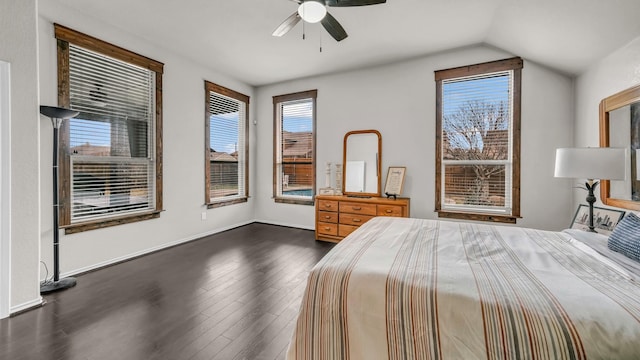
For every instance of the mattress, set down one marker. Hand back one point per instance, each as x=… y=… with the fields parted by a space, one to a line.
x=401 y=288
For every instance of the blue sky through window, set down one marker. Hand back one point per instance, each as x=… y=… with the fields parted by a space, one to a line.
x=490 y=89
x=223 y=134
x=96 y=133
x=483 y=93
x=297 y=116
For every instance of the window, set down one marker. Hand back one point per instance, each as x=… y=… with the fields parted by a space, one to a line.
x=111 y=153
x=227 y=152
x=478 y=141
x=295 y=145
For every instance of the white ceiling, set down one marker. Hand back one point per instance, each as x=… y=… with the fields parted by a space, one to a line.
x=234 y=36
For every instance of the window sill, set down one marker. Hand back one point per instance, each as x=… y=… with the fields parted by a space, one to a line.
x=294 y=201
x=226 y=203
x=507 y=219
x=99 y=224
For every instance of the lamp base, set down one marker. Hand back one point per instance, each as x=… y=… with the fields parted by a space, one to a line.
x=52 y=286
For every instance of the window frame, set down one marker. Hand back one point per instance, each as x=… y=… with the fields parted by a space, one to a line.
x=221 y=90
x=66 y=36
x=309 y=94
x=514 y=64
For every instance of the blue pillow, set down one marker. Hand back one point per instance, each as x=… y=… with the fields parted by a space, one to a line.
x=625 y=238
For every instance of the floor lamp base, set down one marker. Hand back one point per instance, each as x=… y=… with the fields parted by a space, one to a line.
x=52 y=286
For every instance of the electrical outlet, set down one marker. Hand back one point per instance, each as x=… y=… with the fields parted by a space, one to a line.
x=203 y=216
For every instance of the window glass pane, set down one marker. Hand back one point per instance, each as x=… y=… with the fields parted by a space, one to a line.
x=476 y=133
x=116 y=101
x=476 y=118
x=226 y=147
x=474 y=185
x=90 y=137
x=296 y=144
x=110 y=141
x=102 y=187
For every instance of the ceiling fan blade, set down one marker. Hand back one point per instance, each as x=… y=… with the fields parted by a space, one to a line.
x=334 y=28
x=287 y=25
x=345 y=3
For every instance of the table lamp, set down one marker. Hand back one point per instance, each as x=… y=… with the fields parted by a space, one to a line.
x=591 y=164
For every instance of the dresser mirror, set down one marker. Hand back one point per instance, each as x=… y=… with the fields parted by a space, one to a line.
x=620 y=127
x=361 y=163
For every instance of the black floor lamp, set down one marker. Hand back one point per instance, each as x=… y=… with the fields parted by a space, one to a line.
x=57 y=115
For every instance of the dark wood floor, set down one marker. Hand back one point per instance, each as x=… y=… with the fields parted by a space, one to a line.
x=233 y=295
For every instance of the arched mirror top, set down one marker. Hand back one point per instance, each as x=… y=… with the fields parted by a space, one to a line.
x=361 y=163
x=620 y=127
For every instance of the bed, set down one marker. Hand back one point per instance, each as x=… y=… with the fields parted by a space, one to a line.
x=402 y=288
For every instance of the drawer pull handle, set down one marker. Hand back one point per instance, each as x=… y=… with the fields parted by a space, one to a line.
x=327 y=205
x=327 y=228
x=327 y=217
x=357 y=208
x=357 y=220
x=389 y=211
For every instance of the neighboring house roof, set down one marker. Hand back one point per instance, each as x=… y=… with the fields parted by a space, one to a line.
x=493 y=147
x=297 y=144
x=221 y=156
x=91 y=150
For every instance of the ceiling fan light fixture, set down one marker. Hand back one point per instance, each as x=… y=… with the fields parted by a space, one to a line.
x=312 y=11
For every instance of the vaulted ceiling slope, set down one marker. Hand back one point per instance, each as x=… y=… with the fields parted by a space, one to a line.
x=234 y=36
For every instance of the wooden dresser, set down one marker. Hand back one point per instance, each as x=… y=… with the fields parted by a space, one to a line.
x=339 y=216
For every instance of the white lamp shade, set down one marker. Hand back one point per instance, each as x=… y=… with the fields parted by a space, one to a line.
x=591 y=163
x=312 y=11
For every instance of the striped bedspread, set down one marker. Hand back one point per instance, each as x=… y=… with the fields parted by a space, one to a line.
x=424 y=289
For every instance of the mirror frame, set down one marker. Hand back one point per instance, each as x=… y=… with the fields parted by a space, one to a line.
x=613 y=102
x=344 y=162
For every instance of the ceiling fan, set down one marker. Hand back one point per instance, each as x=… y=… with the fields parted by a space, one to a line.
x=314 y=11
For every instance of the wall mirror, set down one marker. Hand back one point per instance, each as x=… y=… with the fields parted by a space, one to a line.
x=361 y=163
x=620 y=127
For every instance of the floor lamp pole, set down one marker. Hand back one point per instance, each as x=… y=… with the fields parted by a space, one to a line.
x=57 y=116
x=56 y=229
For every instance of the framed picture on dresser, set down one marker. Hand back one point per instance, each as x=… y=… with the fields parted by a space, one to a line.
x=395 y=180
x=604 y=220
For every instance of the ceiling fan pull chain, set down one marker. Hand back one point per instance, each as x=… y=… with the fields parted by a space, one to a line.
x=304 y=28
x=320 y=41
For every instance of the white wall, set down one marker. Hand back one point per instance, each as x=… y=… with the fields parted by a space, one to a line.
x=616 y=72
x=19 y=47
x=5 y=189
x=399 y=101
x=183 y=149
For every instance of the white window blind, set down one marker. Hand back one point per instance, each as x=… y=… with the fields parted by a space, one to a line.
x=111 y=141
x=227 y=156
x=295 y=167
x=477 y=141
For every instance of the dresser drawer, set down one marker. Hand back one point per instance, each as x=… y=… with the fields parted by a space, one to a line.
x=344 y=230
x=357 y=208
x=390 y=210
x=328 y=216
x=354 y=219
x=327 y=205
x=327 y=228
